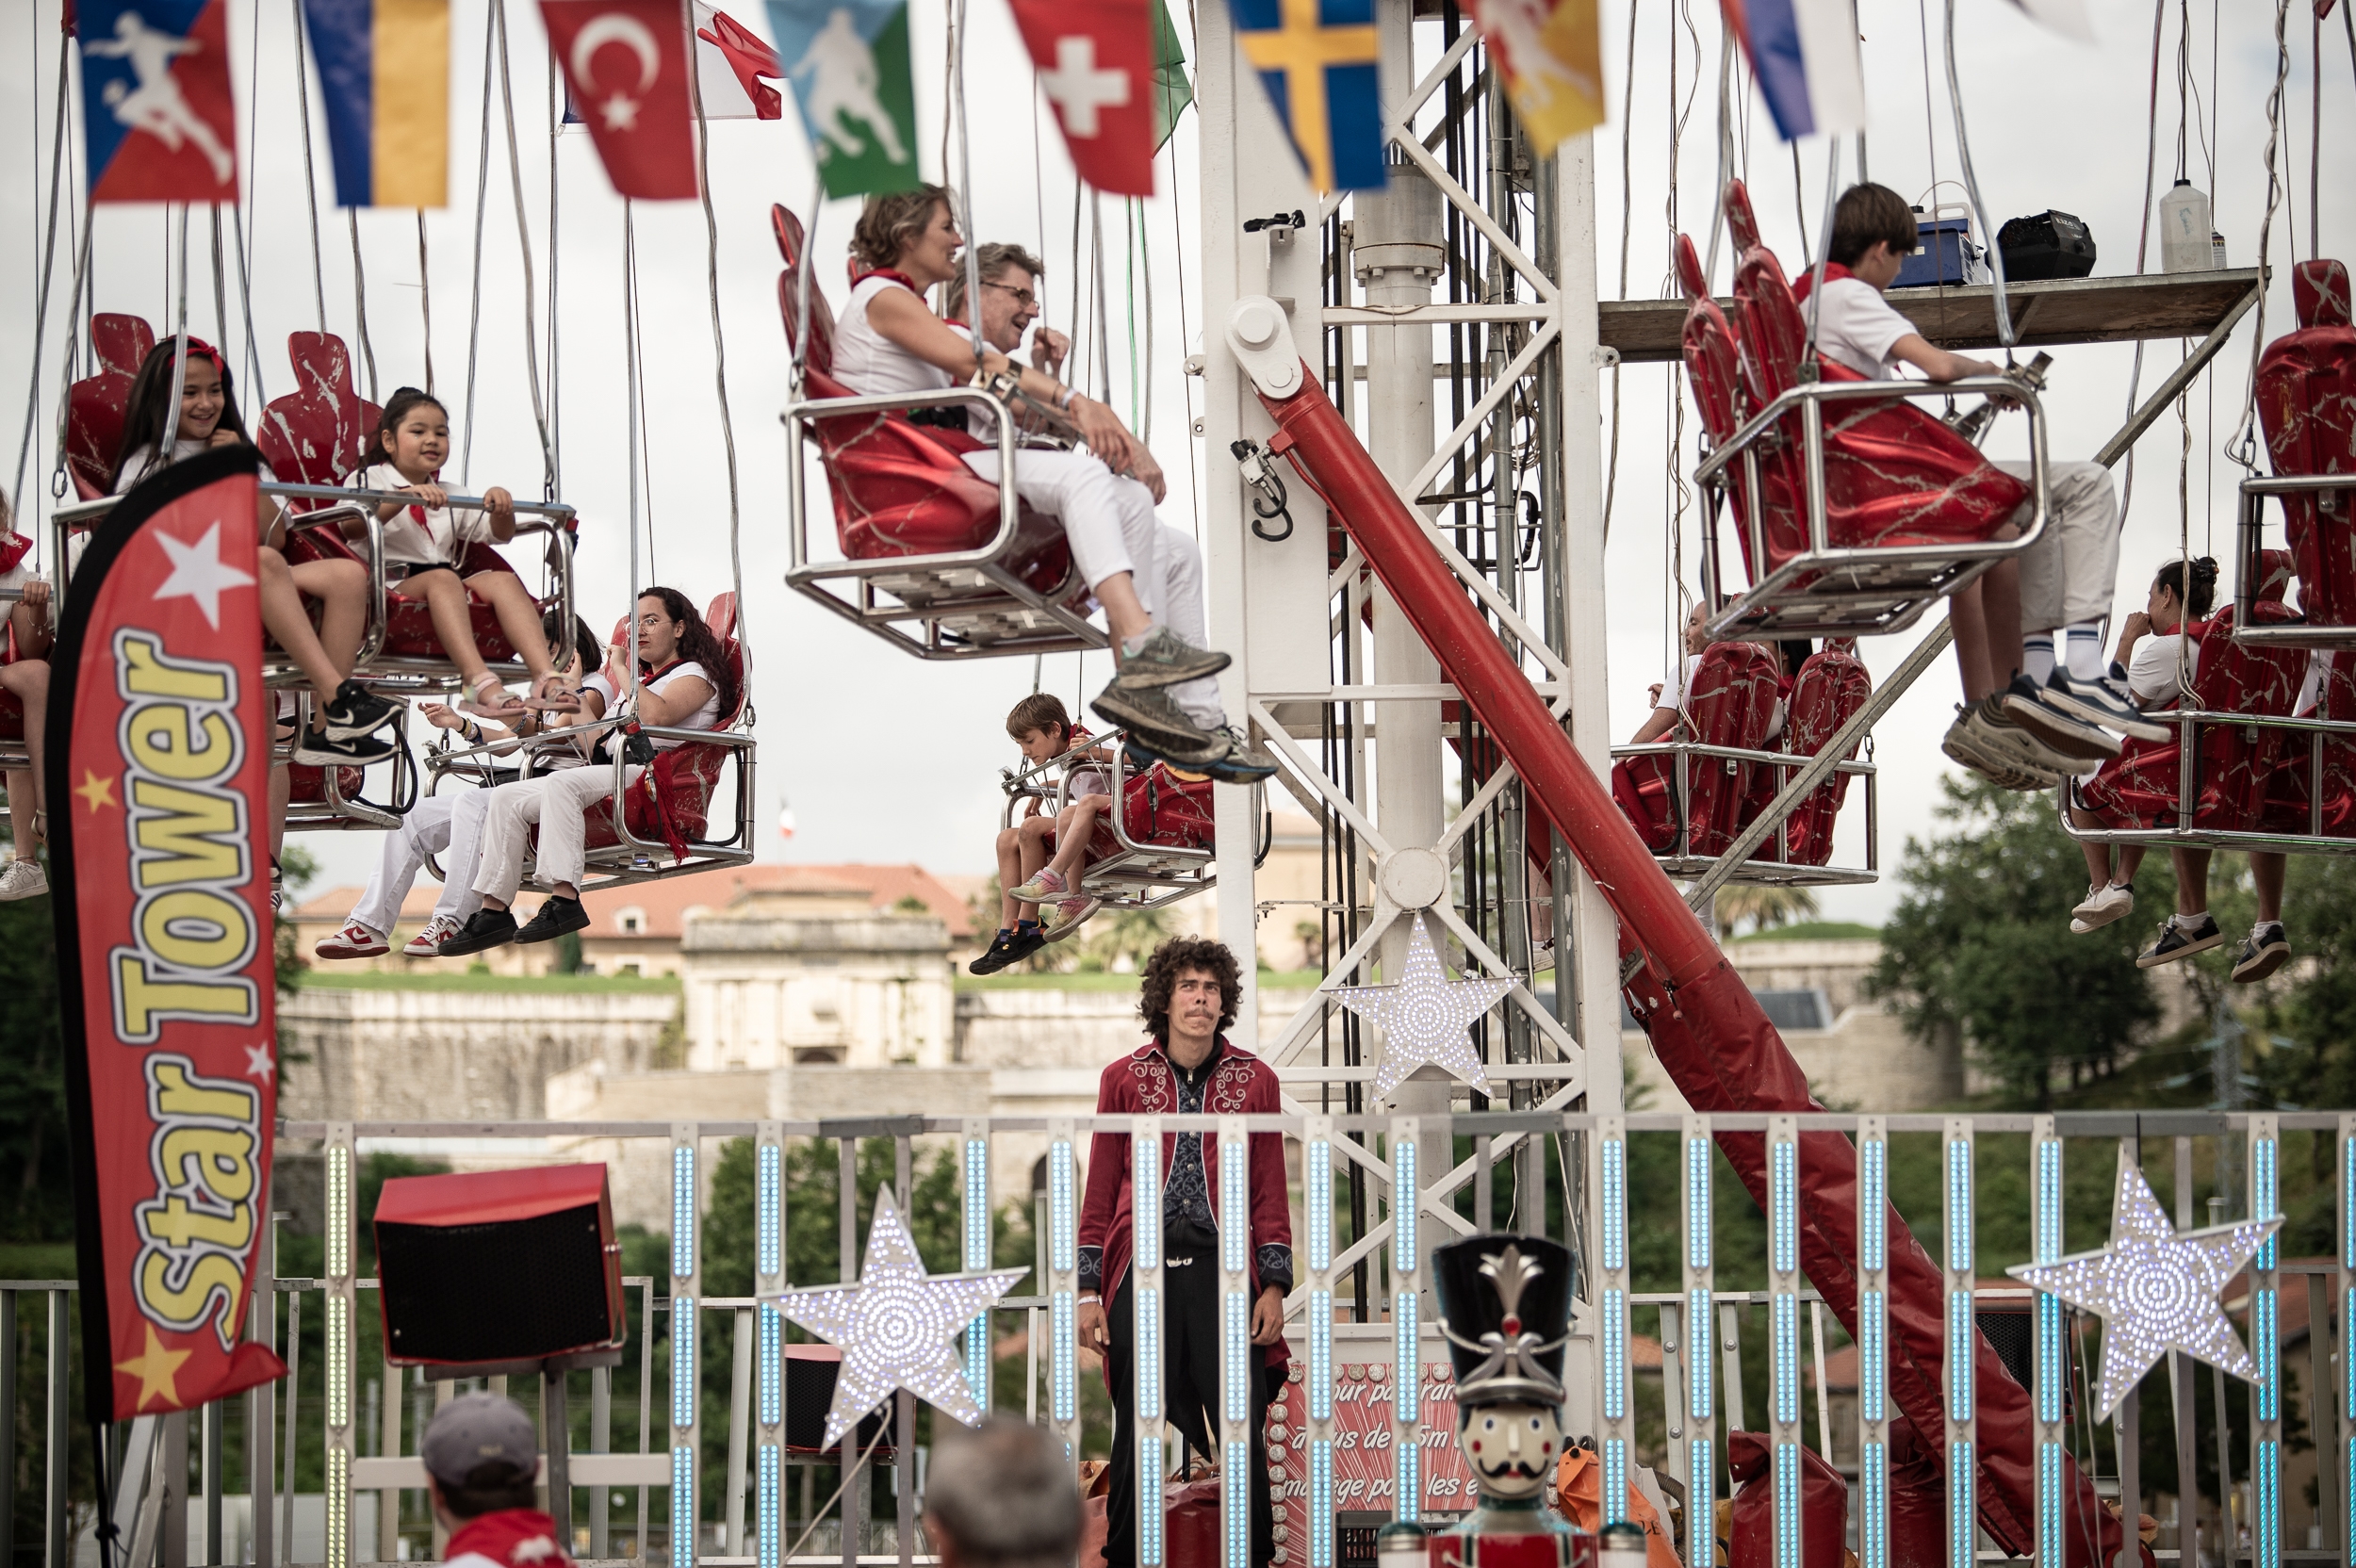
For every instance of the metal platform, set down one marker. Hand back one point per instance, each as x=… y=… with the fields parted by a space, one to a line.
x=2044 y=315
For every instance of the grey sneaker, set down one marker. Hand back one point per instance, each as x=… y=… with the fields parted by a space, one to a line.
x=2066 y=734
x=1998 y=735
x=1159 y=726
x=1969 y=743
x=1244 y=763
x=2101 y=702
x=1167 y=660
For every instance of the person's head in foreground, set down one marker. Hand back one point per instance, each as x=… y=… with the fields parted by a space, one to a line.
x=482 y=1458
x=1190 y=989
x=1001 y=1495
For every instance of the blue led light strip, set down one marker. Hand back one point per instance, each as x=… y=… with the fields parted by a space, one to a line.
x=1787 y=1505
x=2265 y=1450
x=1149 y=1518
x=1615 y=1361
x=770 y=1329
x=1872 y=1341
x=1962 y=1507
x=683 y=1361
x=683 y=1211
x=1317 y=1174
x=1616 y=1479
x=1614 y=1199
x=769 y=1208
x=769 y=1519
x=683 y=1540
x=1235 y=1507
x=1063 y=1373
x=1699 y=1421
x=1874 y=1512
x=1962 y=1343
x=2051 y=1383
x=1702 y=1487
x=977 y=1249
x=1321 y=1504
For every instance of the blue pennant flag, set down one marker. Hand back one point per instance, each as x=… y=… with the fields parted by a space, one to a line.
x=1316 y=58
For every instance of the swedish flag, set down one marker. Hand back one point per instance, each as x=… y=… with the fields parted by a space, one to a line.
x=1316 y=58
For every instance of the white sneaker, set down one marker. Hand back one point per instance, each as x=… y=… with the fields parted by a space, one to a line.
x=354 y=941
x=2101 y=906
x=428 y=943
x=23 y=879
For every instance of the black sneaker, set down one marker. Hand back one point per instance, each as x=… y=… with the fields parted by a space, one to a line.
x=354 y=711
x=2026 y=704
x=1167 y=660
x=2176 y=942
x=1244 y=763
x=490 y=928
x=556 y=917
x=1009 y=947
x=2102 y=702
x=1160 y=727
x=322 y=749
x=2264 y=951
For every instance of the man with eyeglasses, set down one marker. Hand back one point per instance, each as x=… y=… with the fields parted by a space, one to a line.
x=1011 y=306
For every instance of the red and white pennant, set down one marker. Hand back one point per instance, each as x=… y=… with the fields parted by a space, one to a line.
x=1095 y=66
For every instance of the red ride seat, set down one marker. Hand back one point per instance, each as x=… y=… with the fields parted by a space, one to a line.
x=671 y=803
x=1733 y=704
x=2288 y=793
x=1832 y=685
x=902 y=489
x=2306 y=392
x=2236 y=765
x=1162 y=809
x=95 y=404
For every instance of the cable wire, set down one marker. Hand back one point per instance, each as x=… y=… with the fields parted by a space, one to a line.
x=48 y=262
x=523 y=246
x=310 y=177
x=720 y=363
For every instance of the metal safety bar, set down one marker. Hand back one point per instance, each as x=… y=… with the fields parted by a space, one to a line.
x=1854 y=590
x=962 y=604
x=2249 y=539
x=2189 y=722
x=1137 y=876
x=1681 y=864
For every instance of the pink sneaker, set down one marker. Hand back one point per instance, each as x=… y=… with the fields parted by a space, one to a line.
x=1039 y=889
x=1070 y=914
x=354 y=941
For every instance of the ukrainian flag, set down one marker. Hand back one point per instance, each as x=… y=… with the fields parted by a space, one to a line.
x=384 y=80
x=1316 y=58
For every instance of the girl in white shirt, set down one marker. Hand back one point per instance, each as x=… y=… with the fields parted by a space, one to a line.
x=685 y=681
x=26 y=632
x=426 y=541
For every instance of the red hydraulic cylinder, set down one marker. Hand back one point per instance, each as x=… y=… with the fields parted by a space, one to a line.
x=1706 y=1028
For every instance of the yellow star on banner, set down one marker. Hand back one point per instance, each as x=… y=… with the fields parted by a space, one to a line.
x=98 y=791
x=1300 y=47
x=156 y=1369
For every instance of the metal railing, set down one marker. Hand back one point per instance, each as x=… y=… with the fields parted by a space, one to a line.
x=1682 y=864
x=1138 y=874
x=2189 y=722
x=1385 y=1331
x=1830 y=591
x=2249 y=538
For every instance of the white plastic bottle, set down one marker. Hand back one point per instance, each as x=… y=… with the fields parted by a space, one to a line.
x=2184 y=230
x=2217 y=251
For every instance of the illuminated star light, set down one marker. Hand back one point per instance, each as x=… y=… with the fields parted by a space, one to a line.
x=2155 y=1290
x=895 y=1326
x=1426 y=1017
x=199 y=573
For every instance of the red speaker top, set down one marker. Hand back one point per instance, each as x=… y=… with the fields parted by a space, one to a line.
x=488 y=1197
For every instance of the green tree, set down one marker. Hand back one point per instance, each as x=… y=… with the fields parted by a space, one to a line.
x=34 y=1173
x=1980 y=943
x=1765 y=907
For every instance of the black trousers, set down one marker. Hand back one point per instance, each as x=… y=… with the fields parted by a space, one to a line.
x=1190 y=1362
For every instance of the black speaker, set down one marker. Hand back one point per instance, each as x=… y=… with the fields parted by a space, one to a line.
x=483 y=1271
x=2045 y=245
x=2011 y=1328
x=809 y=1375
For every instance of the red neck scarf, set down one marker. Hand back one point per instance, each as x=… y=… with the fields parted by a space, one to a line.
x=518 y=1537
x=891 y=274
x=1808 y=280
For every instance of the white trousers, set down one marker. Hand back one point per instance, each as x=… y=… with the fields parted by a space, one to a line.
x=449 y=825
x=1110 y=524
x=2070 y=574
x=557 y=801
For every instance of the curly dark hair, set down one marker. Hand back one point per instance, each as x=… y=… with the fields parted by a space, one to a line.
x=1172 y=959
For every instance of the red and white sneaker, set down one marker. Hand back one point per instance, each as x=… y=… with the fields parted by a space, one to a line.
x=1070 y=914
x=428 y=943
x=354 y=941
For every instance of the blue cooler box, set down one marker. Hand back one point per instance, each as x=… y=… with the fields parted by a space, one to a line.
x=1948 y=256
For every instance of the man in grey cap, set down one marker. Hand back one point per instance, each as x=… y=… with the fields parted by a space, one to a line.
x=482 y=1460
x=1001 y=1495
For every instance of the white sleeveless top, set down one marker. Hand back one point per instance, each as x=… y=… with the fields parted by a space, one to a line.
x=866 y=361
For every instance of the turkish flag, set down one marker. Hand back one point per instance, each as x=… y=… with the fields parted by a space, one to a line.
x=1096 y=66
x=626 y=67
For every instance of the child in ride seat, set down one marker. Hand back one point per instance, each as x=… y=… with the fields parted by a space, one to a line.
x=2161 y=657
x=25 y=634
x=449 y=823
x=2028 y=718
x=1026 y=875
x=344 y=717
x=425 y=544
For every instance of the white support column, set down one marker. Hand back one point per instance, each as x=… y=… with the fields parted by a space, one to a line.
x=1615 y=1426
x=769 y=1213
x=1783 y=1330
x=1063 y=1287
x=1317 y=1204
x=2266 y=1344
x=1962 y=1345
x=686 y=1289
x=1407 y=1279
x=1700 y=1421
x=1872 y=1341
x=979 y=1235
x=1145 y=1338
x=1240 y=1361
x=341 y=1251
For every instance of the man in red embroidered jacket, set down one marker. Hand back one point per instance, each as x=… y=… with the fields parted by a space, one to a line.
x=1191 y=988
x=481 y=1457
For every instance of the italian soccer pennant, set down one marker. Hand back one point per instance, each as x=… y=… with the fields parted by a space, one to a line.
x=1095 y=66
x=1550 y=56
x=848 y=61
x=160 y=123
x=626 y=66
x=384 y=80
x=1316 y=58
x=158 y=761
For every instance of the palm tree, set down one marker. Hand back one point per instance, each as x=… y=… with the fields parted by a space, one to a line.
x=1766 y=908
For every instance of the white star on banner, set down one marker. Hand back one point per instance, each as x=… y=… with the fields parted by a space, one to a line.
x=2155 y=1290
x=621 y=113
x=1426 y=1017
x=199 y=573
x=896 y=1325
x=258 y=1063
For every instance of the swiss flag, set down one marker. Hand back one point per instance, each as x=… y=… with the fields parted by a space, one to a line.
x=1095 y=65
x=626 y=66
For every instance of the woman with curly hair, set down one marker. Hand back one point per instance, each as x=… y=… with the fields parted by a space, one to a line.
x=1188 y=1068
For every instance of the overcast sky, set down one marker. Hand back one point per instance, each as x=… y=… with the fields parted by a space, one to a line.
x=886 y=759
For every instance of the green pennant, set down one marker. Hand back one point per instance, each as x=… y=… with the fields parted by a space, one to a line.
x=1172 y=93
